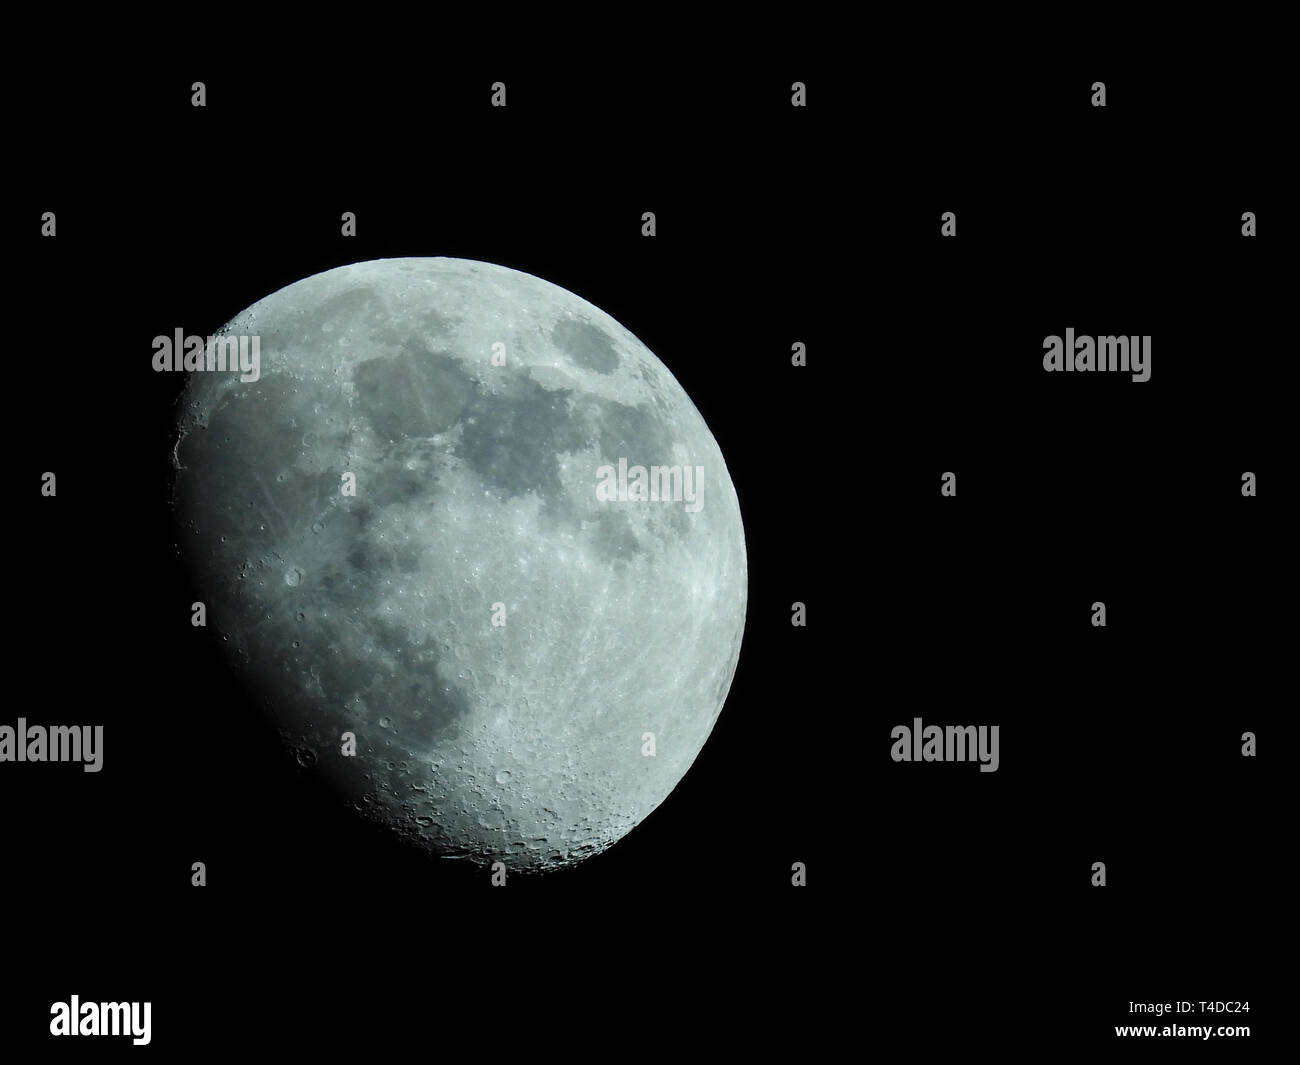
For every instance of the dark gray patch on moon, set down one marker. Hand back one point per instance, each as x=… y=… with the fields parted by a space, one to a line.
x=436 y=324
x=615 y=540
x=514 y=442
x=587 y=345
x=396 y=483
x=625 y=431
x=416 y=393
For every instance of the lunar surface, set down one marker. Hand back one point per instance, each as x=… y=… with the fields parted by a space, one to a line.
x=528 y=667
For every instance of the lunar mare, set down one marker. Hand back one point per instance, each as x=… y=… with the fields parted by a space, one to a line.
x=498 y=638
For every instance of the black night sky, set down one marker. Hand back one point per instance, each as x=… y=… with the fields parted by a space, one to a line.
x=776 y=225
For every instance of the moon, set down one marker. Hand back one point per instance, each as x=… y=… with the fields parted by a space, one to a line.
x=413 y=529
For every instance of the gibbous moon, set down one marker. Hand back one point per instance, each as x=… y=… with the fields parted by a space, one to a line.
x=423 y=524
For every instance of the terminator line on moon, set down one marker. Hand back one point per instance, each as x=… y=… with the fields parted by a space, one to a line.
x=498 y=638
